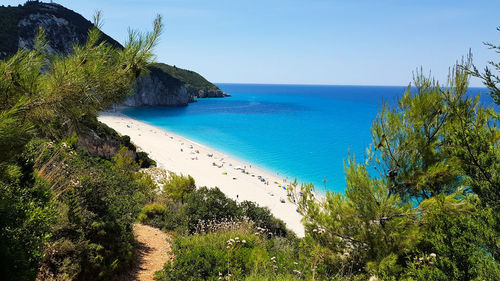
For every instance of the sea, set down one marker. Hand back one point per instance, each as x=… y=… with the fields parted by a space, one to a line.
x=303 y=132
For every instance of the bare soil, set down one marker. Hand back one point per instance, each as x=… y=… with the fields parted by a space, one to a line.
x=153 y=251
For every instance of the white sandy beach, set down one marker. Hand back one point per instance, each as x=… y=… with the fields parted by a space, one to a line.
x=209 y=167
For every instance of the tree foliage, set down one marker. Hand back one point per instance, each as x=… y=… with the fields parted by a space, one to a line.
x=424 y=205
x=62 y=211
x=488 y=76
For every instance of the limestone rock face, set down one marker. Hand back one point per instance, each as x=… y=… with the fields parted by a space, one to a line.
x=207 y=93
x=151 y=91
x=101 y=146
x=63 y=28
x=60 y=33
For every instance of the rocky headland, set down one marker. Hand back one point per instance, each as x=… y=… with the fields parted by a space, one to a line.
x=162 y=85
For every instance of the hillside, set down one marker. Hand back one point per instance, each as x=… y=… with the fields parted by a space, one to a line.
x=197 y=86
x=63 y=27
x=169 y=86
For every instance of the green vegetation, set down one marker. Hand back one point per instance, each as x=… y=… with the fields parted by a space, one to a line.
x=65 y=215
x=185 y=210
x=431 y=212
x=96 y=203
x=193 y=81
x=230 y=254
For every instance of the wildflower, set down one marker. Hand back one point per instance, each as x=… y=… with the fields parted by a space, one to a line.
x=432 y=255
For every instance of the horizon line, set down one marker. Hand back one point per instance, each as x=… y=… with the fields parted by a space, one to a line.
x=313 y=84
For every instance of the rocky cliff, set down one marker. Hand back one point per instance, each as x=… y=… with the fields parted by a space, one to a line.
x=162 y=85
x=63 y=27
x=156 y=87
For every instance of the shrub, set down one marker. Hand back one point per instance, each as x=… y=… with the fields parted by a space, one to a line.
x=461 y=237
x=178 y=187
x=26 y=213
x=153 y=214
x=208 y=204
x=233 y=255
x=144 y=161
x=262 y=217
x=147 y=185
x=96 y=204
x=191 y=211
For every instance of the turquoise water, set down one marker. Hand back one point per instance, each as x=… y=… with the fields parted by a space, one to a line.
x=301 y=131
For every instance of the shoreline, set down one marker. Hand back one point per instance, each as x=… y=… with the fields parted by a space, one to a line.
x=209 y=167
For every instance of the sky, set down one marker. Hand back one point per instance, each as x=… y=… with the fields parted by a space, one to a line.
x=350 y=42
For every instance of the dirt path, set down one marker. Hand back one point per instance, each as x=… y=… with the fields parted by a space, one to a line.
x=153 y=252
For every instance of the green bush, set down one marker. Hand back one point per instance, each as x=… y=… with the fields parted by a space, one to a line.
x=208 y=204
x=147 y=185
x=144 y=160
x=26 y=213
x=153 y=214
x=262 y=217
x=273 y=277
x=190 y=210
x=96 y=203
x=232 y=254
x=178 y=187
x=461 y=238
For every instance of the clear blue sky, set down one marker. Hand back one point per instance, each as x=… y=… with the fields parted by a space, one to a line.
x=370 y=42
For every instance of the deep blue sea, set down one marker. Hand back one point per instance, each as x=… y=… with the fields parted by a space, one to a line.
x=302 y=131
